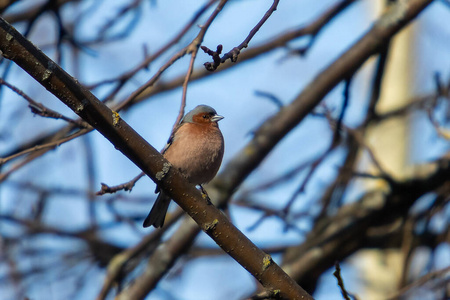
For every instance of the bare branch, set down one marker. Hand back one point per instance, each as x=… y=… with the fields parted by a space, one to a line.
x=234 y=53
x=15 y=47
x=127 y=186
x=41 y=110
x=337 y=274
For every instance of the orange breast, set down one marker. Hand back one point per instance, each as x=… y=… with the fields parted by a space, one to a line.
x=197 y=150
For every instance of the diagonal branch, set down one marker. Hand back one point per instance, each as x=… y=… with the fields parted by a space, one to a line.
x=234 y=53
x=265 y=138
x=279 y=41
x=18 y=49
x=273 y=130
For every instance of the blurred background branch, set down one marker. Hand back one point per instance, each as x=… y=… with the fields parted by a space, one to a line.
x=355 y=171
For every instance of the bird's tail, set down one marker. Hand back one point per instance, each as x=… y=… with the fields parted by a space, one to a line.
x=158 y=213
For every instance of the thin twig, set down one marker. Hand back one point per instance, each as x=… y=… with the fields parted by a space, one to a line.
x=192 y=48
x=234 y=53
x=376 y=84
x=421 y=281
x=277 y=41
x=144 y=64
x=337 y=274
x=271 y=97
x=41 y=110
x=127 y=186
x=37 y=151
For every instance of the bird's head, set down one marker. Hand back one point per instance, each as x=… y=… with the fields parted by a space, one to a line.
x=202 y=114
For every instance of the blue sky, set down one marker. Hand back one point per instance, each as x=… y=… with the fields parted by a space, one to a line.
x=232 y=94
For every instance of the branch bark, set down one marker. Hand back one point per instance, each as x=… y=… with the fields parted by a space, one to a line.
x=118 y=132
x=273 y=130
x=18 y=49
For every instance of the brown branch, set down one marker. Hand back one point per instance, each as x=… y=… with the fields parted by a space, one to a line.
x=291 y=115
x=287 y=118
x=354 y=226
x=234 y=53
x=39 y=109
x=267 y=212
x=123 y=263
x=274 y=43
x=271 y=97
x=129 y=7
x=178 y=244
x=127 y=186
x=376 y=84
x=334 y=143
x=421 y=281
x=177 y=56
x=36 y=152
x=5 y=4
x=192 y=48
x=18 y=49
x=312 y=169
x=144 y=64
x=337 y=274
x=25 y=15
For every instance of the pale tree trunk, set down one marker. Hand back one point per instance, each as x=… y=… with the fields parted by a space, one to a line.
x=390 y=143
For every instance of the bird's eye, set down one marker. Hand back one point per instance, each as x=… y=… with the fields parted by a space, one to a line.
x=205 y=116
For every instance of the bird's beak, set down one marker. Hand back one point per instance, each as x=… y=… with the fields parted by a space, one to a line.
x=216 y=118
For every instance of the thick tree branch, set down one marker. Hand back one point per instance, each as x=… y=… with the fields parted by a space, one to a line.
x=18 y=49
x=273 y=130
x=357 y=225
x=286 y=120
x=279 y=41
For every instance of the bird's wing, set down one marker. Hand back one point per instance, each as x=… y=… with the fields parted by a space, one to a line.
x=171 y=138
x=169 y=142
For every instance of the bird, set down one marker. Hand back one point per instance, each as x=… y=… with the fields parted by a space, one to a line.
x=196 y=148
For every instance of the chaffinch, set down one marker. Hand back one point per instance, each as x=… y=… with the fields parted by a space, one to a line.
x=196 y=148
